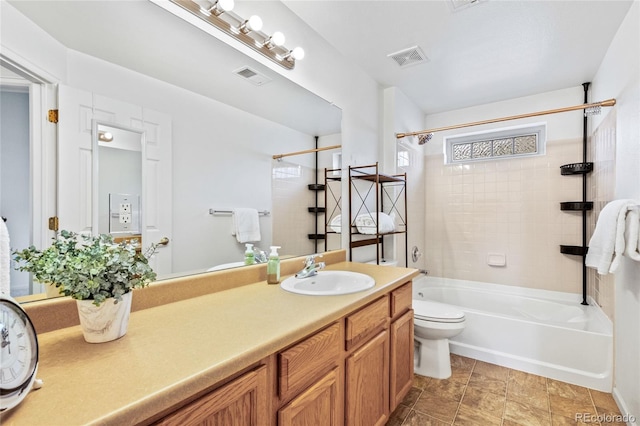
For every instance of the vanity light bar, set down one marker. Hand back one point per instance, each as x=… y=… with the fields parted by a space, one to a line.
x=241 y=30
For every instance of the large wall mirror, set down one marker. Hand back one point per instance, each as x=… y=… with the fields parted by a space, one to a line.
x=224 y=129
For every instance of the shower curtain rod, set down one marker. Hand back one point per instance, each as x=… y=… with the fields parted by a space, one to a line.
x=306 y=151
x=607 y=103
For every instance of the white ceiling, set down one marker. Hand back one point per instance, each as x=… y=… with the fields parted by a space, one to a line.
x=491 y=51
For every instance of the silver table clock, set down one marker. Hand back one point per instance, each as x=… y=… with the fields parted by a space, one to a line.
x=18 y=354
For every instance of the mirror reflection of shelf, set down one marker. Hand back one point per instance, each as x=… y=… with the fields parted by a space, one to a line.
x=576 y=205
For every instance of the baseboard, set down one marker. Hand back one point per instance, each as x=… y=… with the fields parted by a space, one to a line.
x=628 y=417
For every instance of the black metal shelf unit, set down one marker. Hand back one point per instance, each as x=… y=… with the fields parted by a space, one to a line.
x=316 y=210
x=583 y=169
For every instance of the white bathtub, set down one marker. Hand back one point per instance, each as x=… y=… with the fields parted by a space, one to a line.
x=542 y=332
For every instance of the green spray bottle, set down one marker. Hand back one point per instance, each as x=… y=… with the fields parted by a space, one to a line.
x=273 y=266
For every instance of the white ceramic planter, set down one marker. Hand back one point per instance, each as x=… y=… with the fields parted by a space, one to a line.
x=105 y=322
x=51 y=290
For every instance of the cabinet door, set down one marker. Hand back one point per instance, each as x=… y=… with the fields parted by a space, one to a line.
x=238 y=403
x=367 y=383
x=318 y=405
x=401 y=367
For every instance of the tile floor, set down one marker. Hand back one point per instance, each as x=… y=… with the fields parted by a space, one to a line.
x=484 y=394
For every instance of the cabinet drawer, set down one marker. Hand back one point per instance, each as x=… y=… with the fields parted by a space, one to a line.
x=401 y=300
x=308 y=360
x=366 y=321
x=320 y=404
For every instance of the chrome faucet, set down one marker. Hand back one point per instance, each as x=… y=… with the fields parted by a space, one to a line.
x=311 y=268
x=259 y=255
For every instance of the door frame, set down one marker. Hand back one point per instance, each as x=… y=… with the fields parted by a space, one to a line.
x=42 y=146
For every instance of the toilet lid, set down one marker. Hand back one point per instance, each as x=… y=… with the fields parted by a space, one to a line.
x=436 y=311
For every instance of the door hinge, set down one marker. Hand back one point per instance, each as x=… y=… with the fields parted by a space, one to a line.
x=53 y=223
x=53 y=116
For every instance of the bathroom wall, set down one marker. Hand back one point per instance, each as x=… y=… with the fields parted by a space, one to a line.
x=509 y=206
x=402 y=115
x=619 y=77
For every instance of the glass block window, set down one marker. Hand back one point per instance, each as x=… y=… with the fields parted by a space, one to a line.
x=496 y=144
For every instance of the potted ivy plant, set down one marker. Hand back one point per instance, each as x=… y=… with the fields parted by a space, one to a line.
x=96 y=271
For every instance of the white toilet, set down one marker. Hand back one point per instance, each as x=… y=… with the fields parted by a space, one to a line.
x=434 y=324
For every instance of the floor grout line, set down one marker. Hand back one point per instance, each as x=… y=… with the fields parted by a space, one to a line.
x=511 y=379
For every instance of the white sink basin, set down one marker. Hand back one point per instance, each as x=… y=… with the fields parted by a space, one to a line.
x=225 y=266
x=329 y=283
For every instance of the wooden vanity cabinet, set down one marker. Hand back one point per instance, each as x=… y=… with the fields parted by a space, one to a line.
x=401 y=344
x=241 y=402
x=367 y=365
x=320 y=404
x=367 y=383
x=354 y=371
x=310 y=380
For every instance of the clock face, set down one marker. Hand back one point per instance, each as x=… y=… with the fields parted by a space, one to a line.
x=18 y=352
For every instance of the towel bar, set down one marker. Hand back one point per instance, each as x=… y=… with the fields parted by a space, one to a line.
x=227 y=212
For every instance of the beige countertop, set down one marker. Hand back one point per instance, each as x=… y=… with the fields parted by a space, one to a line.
x=179 y=349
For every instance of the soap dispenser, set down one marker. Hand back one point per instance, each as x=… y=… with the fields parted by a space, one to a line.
x=273 y=266
x=249 y=256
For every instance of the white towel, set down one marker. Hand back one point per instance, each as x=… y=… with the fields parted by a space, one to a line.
x=336 y=224
x=607 y=243
x=366 y=223
x=246 y=225
x=632 y=234
x=5 y=259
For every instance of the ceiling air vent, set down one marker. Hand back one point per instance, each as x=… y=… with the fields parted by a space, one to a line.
x=408 y=57
x=252 y=76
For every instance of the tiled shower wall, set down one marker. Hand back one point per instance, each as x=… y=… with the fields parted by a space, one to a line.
x=510 y=207
x=291 y=220
x=601 y=186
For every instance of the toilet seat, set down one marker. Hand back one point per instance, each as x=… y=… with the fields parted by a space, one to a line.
x=437 y=312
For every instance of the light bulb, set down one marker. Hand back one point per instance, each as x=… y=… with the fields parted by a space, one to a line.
x=224 y=5
x=105 y=136
x=217 y=7
x=277 y=38
x=254 y=23
x=297 y=53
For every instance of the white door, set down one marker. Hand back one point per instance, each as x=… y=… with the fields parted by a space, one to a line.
x=157 y=188
x=77 y=109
